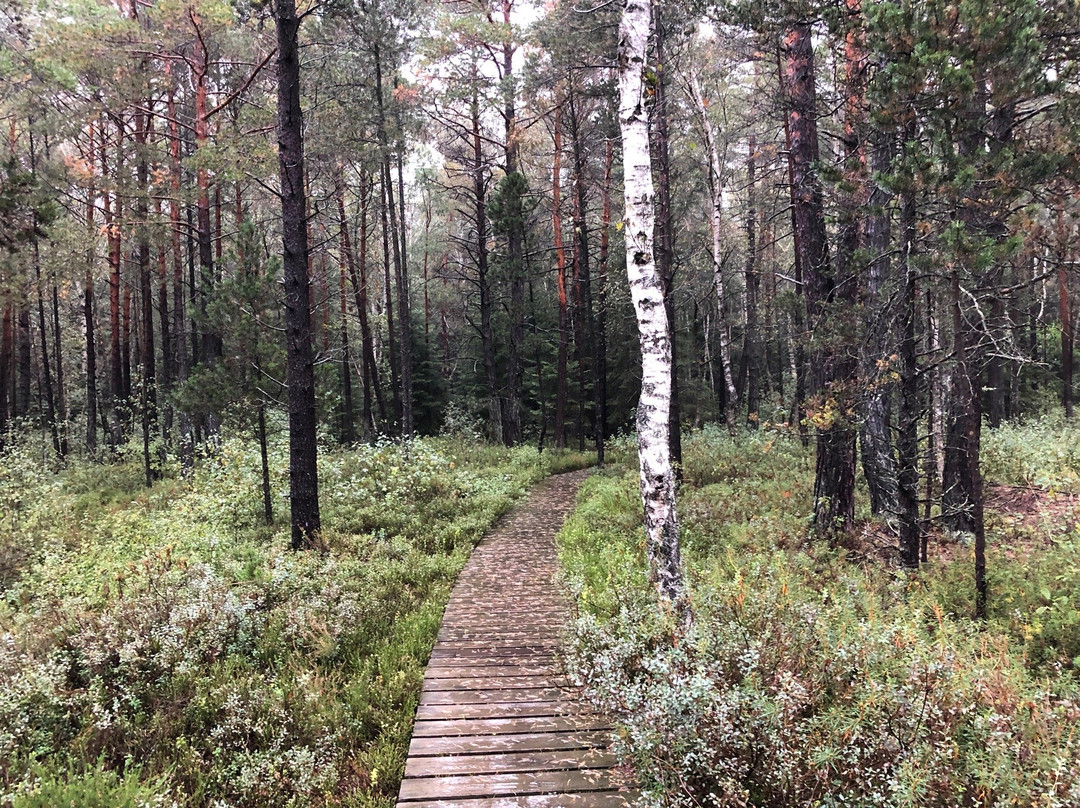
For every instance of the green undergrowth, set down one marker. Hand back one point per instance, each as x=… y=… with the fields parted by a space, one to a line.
x=809 y=678
x=164 y=647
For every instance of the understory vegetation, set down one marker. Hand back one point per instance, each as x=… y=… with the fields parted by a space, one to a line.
x=831 y=677
x=163 y=647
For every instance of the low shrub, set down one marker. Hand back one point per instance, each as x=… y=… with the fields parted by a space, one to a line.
x=806 y=679
x=165 y=647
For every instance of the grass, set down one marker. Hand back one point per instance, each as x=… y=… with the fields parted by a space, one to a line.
x=811 y=678
x=164 y=647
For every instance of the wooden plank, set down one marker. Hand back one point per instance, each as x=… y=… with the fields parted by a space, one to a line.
x=525 y=742
x=526 y=709
x=511 y=680
x=538 y=668
x=502 y=763
x=515 y=784
x=593 y=799
x=494 y=726
x=502 y=695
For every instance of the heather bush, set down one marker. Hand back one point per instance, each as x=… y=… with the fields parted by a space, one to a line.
x=163 y=647
x=808 y=679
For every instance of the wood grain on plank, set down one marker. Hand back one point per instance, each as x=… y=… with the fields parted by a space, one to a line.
x=498 y=725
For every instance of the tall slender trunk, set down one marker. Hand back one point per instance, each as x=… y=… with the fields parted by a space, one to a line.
x=404 y=311
x=665 y=234
x=716 y=217
x=829 y=298
x=878 y=460
x=391 y=336
x=164 y=322
x=601 y=305
x=88 y=306
x=647 y=291
x=515 y=360
x=148 y=393
x=752 y=359
x=582 y=273
x=797 y=320
x=1064 y=315
x=359 y=284
x=179 y=357
x=345 y=258
x=560 y=281
x=7 y=357
x=50 y=409
x=487 y=334
x=113 y=226
x=300 y=367
x=908 y=438
x=212 y=347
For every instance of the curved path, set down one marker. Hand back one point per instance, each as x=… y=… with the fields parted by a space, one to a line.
x=498 y=725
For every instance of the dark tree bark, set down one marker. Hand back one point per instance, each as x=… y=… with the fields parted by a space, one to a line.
x=582 y=275
x=908 y=436
x=212 y=346
x=391 y=335
x=403 y=365
x=751 y=364
x=359 y=284
x=7 y=356
x=179 y=358
x=344 y=259
x=112 y=225
x=88 y=314
x=832 y=364
x=601 y=305
x=515 y=237
x=300 y=368
x=878 y=459
x=1064 y=315
x=148 y=394
x=560 y=282
x=487 y=305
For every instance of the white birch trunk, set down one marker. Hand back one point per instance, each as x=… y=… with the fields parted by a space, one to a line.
x=654 y=455
x=716 y=220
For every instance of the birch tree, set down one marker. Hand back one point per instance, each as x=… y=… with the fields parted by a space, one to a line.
x=647 y=292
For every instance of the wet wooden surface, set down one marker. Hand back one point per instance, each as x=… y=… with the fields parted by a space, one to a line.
x=498 y=724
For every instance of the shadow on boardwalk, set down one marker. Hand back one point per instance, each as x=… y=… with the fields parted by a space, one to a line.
x=498 y=724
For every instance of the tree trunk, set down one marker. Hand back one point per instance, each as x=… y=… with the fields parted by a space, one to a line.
x=647 y=292
x=832 y=364
x=716 y=218
x=665 y=235
x=300 y=369
x=359 y=284
x=515 y=237
x=212 y=346
x=7 y=356
x=751 y=338
x=148 y=396
x=908 y=439
x=560 y=284
x=345 y=258
x=88 y=312
x=601 y=305
x=180 y=357
x=391 y=336
x=1064 y=316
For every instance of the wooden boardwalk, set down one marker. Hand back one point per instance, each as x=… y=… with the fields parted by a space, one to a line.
x=498 y=725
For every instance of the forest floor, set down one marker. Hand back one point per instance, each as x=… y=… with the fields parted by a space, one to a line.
x=818 y=675
x=1024 y=520
x=163 y=647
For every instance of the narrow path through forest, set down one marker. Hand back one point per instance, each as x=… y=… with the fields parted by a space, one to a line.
x=498 y=724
